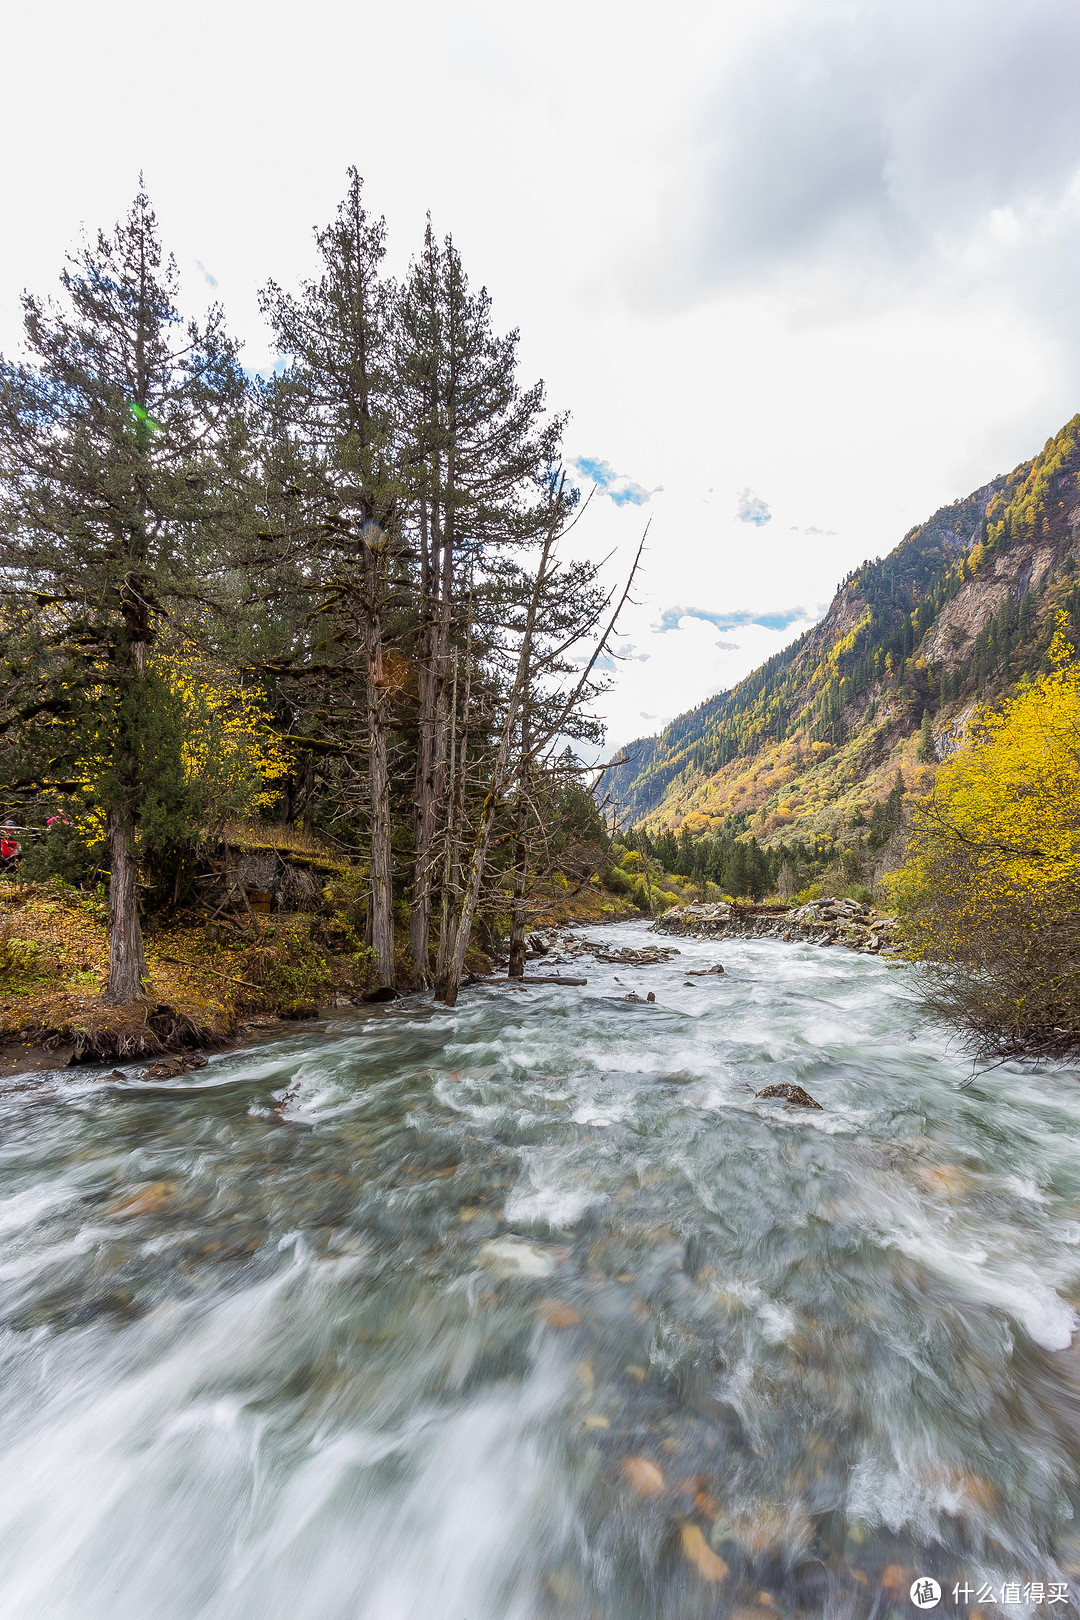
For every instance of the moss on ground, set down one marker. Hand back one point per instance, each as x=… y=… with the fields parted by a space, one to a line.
x=202 y=982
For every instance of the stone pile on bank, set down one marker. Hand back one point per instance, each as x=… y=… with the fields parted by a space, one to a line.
x=555 y=946
x=820 y=922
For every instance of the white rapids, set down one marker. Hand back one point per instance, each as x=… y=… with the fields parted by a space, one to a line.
x=530 y=1311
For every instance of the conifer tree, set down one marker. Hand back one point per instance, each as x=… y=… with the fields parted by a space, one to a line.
x=122 y=467
x=927 y=751
x=476 y=450
x=335 y=406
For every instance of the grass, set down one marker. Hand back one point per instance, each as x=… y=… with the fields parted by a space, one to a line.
x=289 y=840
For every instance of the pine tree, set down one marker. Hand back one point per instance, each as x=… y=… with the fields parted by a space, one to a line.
x=927 y=750
x=333 y=411
x=476 y=450
x=123 y=470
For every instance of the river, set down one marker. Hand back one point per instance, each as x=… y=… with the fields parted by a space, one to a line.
x=529 y=1311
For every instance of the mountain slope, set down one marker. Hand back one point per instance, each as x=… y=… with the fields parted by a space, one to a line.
x=958 y=612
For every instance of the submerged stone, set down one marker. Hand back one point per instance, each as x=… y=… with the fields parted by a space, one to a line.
x=709 y=1565
x=557 y=1314
x=642 y=1475
x=513 y=1257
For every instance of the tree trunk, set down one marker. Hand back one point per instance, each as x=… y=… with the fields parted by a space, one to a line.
x=127 y=958
x=517 y=916
x=471 y=898
x=382 y=906
x=423 y=829
x=424 y=799
x=455 y=810
x=382 y=898
x=521 y=871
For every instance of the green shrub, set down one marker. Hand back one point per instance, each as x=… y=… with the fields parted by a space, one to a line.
x=19 y=958
x=61 y=852
x=618 y=881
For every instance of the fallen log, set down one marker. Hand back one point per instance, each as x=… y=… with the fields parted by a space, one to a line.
x=525 y=978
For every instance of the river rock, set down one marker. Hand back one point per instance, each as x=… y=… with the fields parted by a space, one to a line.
x=147 y=1201
x=709 y=1565
x=169 y=1068
x=557 y=1314
x=514 y=1257
x=786 y=1092
x=642 y=1475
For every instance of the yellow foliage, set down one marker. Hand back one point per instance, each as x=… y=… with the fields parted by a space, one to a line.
x=993 y=882
x=1015 y=795
x=846 y=643
x=229 y=747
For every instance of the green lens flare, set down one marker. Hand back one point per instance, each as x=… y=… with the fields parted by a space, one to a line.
x=142 y=415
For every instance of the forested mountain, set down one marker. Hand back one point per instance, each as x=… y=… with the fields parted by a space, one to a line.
x=960 y=611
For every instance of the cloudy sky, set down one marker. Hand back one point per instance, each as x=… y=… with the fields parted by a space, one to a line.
x=801 y=272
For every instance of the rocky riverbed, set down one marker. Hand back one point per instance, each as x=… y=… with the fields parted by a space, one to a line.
x=565 y=1304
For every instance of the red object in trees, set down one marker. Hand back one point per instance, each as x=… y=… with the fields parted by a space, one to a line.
x=9 y=849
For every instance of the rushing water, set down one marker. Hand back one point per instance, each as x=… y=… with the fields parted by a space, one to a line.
x=529 y=1311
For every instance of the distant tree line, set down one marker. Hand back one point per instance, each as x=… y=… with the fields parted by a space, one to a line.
x=733 y=859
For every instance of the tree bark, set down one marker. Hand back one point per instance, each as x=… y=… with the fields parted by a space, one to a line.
x=521 y=870
x=455 y=811
x=382 y=899
x=517 y=916
x=424 y=800
x=471 y=898
x=127 y=958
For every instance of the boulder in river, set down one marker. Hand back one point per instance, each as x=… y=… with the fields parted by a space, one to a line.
x=786 y=1092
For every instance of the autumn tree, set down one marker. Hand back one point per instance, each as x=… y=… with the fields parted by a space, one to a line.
x=121 y=469
x=991 y=894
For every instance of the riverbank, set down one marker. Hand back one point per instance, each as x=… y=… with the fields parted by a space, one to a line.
x=210 y=986
x=848 y=923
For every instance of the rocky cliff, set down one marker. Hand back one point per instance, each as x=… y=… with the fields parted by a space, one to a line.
x=962 y=609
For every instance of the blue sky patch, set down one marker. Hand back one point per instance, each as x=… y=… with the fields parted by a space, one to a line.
x=669 y=619
x=619 y=488
x=752 y=509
